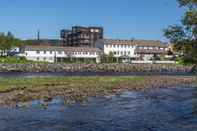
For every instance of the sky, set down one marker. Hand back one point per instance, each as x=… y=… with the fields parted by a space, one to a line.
x=121 y=19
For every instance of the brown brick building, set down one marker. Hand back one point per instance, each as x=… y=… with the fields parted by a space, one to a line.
x=81 y=36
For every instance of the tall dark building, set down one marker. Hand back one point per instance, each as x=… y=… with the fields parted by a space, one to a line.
x=81 y=36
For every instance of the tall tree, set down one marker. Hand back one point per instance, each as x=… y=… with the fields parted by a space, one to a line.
x=184 y=36
x=7 y=42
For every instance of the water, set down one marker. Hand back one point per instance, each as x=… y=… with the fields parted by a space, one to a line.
x=172 y=109
x=61 y=74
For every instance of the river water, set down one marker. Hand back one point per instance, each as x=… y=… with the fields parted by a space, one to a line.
x=169 y=109
x=60 y=74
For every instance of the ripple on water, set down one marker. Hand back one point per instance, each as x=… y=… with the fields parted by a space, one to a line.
x=171 y=109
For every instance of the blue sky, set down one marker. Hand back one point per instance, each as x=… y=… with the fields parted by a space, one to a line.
x=122 y=19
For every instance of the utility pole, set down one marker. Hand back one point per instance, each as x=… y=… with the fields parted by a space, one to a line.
x=38 y=35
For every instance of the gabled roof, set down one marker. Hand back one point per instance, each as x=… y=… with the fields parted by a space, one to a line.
x=60 y=48
x=152 y=43
x=46 y=42
x=150 y=51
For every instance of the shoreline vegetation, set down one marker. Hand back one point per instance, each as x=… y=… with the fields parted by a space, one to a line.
x=78 y=89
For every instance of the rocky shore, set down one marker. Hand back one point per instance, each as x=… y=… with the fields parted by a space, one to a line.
x=136 y=68
x=79 y=89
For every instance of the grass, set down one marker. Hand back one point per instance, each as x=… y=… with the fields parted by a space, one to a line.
x=78 y=89
x=33 y=84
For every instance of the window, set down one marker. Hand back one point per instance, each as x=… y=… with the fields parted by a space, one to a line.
x=45 y=52
x=38 y=52
x=92 y=30
x=51 y=52
x=156 y=48
x=129 y=52
x=97 y=30
x=59 y=52
x=114 y=46
x=44 y=58
x=92 y=53
x=38 y=58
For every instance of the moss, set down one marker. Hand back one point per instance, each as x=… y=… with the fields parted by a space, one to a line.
x=11 y=84
x=72 y=89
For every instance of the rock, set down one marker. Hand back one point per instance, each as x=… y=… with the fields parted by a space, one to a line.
x=114 y=67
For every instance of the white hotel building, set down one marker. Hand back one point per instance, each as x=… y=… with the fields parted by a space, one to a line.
x=125 y=50
x=132 y=49
x=60 y=54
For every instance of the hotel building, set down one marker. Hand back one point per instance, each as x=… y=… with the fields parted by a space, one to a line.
x=60 y=54
x=128 y=50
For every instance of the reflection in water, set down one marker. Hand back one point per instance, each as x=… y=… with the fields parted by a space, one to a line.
x=150 y=110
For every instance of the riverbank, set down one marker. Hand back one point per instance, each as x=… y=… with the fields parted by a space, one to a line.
x=115 y=67
x=78 y=89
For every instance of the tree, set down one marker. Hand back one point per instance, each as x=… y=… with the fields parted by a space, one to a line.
x=184 y=36
x=7 y=42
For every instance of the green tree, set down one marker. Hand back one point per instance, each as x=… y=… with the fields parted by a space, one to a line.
x=7 y=42
x=184 y=36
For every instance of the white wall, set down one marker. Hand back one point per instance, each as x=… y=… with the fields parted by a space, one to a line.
x=50 y=56
x=120 y=49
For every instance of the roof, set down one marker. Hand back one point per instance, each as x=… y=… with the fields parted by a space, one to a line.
x=150 y=51
x=60 y=48
x=152 y=43
x=49 y=42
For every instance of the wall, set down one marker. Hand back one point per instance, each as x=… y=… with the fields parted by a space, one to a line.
x=51 y=56
x=130 y=68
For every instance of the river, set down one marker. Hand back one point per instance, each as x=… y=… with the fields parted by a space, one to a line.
x=169 y=109
x=61 y=74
